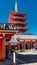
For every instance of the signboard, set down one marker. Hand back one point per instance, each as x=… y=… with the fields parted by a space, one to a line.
x=8 y=26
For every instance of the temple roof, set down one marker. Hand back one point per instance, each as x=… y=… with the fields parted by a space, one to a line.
x=25 y=37
x=18 y=23
x=13 y=40
x=22 y=29
x=14 y=18
x=19 y=14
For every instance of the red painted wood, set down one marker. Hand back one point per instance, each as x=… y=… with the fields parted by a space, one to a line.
x=18 y=46
x=2 y=49
x=19 y=14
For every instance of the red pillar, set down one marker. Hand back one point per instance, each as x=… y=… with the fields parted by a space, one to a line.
x=9 y=47
x=18 y=46
x=2 y=49
x=31 y=43
x=24 y=45
x=36 y=44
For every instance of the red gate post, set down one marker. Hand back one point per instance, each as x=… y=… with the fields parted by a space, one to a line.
x=24 y=44
x=18 y=46
x=2 y=49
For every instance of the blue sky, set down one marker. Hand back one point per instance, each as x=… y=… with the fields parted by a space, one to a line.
x=28 y=6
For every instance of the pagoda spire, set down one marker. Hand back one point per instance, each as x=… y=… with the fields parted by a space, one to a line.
x=16 y=6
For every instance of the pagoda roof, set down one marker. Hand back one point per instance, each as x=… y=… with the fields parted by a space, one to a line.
x=21 y=14
x=19 y=23
x=22 y=29
x=13 y=18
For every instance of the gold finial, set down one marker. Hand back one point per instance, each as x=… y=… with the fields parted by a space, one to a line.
x=16 y=7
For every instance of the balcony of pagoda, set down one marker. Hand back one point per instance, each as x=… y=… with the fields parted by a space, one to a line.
x=13 y=18
x=17 y=14
x=21 y=29
x=18 y=23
